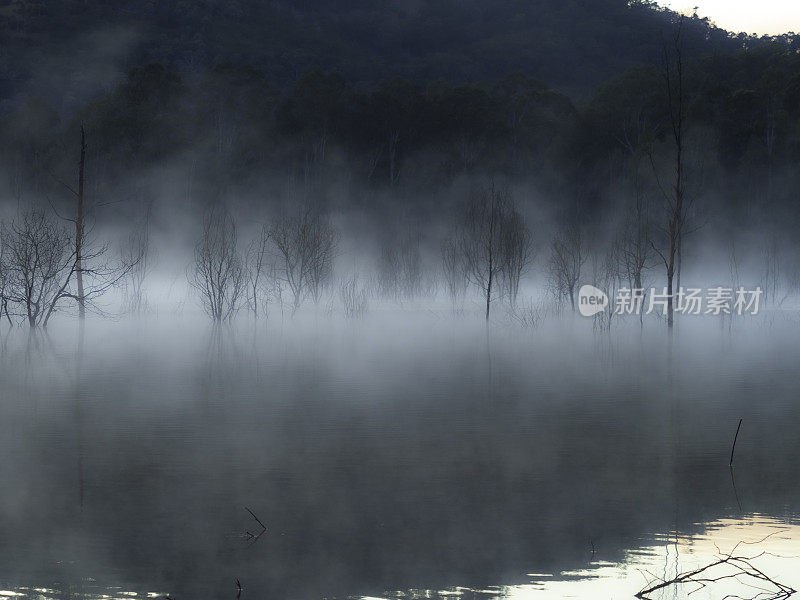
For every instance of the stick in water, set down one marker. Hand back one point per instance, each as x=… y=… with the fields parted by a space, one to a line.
x=734 y=442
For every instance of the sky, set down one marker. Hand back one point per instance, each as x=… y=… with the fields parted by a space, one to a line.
x=764 y=16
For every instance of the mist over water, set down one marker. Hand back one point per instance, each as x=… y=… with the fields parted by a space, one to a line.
x=329 y=300
x=401 y=451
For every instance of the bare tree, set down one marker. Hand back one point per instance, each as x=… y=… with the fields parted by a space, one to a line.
x=677 y=204
x=567 y=257
x=80 y=226
x=400 y=269
x=609 y=273
x=306 y=248
x=455 y=270
x=482 y=240
x=4 y=281
x=257 y=270
x=141 y=256
x=322 y=241
x=517 y=250
x=39 y=261
x=354 y=296
x=635 y=241
x=218 y=275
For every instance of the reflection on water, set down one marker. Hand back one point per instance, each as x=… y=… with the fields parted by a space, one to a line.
x=771 y=545
x=423 y=456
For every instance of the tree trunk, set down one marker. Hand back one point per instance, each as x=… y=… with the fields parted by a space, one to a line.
x=79 y=230
x=489 y=294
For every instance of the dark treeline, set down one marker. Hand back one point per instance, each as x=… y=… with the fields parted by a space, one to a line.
x=572 y=45
x=693 y=140
x=234 y=130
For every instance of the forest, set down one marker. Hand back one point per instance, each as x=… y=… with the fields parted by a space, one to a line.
x=337 y=185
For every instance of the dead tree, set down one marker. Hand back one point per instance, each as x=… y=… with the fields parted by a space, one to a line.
x=675 y=196
x=305 y=245
x=322 y=241
x=517 y=250
x=139 y=254
x=80 y=226
x=399 y=269
x=92 y=272
x=354 y=297
x=218 y=274
x=636 y=237
x=256 y=262
x=5 y=287
x=482 y=241
x=454 y=269
x=80 y=229
x=39 y=261
x=608 y=274
x=567 y=257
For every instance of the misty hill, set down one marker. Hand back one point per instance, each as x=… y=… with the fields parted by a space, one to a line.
x=80 y=48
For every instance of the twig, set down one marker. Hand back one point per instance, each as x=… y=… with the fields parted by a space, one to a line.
x=734 y=441
x=743 y=568
x=254 y=537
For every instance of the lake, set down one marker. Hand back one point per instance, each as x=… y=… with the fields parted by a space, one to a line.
x=398 y=456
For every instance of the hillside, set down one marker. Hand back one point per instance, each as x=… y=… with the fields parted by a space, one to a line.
x=82 y=48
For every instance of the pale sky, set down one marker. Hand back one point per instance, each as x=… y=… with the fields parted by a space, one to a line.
x=762 y=16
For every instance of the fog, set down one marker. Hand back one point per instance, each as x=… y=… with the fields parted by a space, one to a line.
x=412 y=299
x=395 y=452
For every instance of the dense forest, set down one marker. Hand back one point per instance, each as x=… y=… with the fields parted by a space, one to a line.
x=75 y=46
x=392 y=109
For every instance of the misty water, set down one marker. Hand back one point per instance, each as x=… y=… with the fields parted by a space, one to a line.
x=397 y=456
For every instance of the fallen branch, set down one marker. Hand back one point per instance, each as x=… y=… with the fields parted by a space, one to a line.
x=741 y=570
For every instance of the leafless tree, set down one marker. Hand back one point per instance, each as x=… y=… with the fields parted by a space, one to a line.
x=140 y=254
x=4 y=281
x=517 y=250
x=80 y=226
x=354 y=296
x=39 y=261
x=400 y=270
x=777 y=281
x=455 y=270
x=92 y=272
x=636 y=236
x=481 y=240
x=609 y=273
x=528 y=315
x=218 y=274
x=257 y=271
x=678 y=205
x=306 y=248
x=567 y=257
